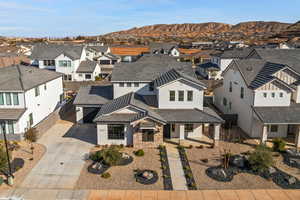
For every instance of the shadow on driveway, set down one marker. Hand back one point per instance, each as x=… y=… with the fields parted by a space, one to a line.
x=83 y=132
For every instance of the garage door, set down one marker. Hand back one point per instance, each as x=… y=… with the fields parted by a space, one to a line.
x=89 y=114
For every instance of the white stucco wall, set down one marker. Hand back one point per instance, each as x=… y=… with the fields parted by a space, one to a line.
x=102 y=136
x=165 y=103
x=142 y=89
x=260 y=100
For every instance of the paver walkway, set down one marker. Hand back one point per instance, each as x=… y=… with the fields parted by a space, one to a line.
x=177 y=174
x=50 y=194
x=61 y=165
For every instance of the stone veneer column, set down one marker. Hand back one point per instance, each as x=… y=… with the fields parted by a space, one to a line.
x=181 y=132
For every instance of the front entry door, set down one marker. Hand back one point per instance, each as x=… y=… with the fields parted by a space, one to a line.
x=167 y=132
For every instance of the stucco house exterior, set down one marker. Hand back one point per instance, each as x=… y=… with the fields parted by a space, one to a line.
x=26 y=99
x=151 y=99
x=264 y=91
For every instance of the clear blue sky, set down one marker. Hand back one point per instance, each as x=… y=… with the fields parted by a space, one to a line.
x=91 y=17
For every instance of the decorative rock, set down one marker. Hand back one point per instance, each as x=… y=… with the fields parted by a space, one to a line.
x=271 y=170
x=293 y=152
x=291 y=180
x=238 y=161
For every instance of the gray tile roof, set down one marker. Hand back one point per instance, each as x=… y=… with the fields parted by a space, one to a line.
x=189 y=115
x=236 y=53
x=210 y=66
x=11 y=114
x=51 y=51
x=287 y=115
x=22 y=78
x=102 y=49
x=173 y=75
x=87 y=66
x=148 y=68
x=94 y=95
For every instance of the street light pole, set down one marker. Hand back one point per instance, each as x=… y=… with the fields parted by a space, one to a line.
x=10 y=176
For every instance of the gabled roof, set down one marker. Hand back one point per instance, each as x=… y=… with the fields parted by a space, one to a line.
x=236 y=53
x=87 y=66
x=52 y=51
x=23 y=78
x=173 y=75
x=148 y=68
x=102 y=49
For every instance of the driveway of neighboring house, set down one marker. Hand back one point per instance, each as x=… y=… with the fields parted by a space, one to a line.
x=67 y=146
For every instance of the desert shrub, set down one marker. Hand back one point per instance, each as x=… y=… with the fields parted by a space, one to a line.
x=1 y=180
x=98 y=78
x=31 y=136
x=110 y=156
x=106 y=175
x=278 y=144
x=261 y=159
x=139 y=152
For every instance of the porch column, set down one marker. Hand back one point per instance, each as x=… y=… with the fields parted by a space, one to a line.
x=217 y=128
x=181 y=131
x=264 y=136
x=297 y=141
x=79 y=114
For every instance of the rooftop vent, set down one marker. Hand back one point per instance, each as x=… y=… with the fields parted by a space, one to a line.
x=249 y=68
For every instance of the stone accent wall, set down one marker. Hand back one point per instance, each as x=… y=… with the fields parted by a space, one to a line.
x=138 y=141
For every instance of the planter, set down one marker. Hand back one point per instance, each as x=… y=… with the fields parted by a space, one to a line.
x=191 y=183
x=97 y=168
x=146 y=177
x=165 y=168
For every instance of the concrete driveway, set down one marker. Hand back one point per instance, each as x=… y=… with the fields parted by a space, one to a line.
x=67 y=145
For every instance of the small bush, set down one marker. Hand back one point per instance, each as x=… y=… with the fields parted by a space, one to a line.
x=278 y=145
x=106 y=175
x=139 y=152
x=261 y=159
x=111 y=156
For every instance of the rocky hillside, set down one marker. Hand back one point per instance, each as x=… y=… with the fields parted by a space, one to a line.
x=210 y=30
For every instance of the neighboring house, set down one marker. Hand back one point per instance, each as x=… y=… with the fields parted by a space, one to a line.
x=107 y=62
x=225 y=58
x=162 y=48
x=8 y=59
x=209 y=71
x=177 y=52
x=27 y=96
x=96 y=51
x=264 y=91
x=151 y=99
x=87 y=71
x=65 y=59
x=129 y=53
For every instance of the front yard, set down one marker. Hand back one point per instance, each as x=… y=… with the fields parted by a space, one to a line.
x=122 y=177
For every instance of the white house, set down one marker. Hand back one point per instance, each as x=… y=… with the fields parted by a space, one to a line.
x=26 y=99
x=264 y=91
x=88 y=70
x=151 y=99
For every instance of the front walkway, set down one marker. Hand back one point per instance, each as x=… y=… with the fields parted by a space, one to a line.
x=177 y=174
x=61 y=165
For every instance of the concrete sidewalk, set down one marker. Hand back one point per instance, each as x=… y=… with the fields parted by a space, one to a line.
x=177 y=174
x=48 y=194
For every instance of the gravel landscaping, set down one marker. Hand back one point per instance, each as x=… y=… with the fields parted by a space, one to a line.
x=24 y=155
x=199 y=165
x=122 y=177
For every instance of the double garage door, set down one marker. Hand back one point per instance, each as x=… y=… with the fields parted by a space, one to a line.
x=89 y=114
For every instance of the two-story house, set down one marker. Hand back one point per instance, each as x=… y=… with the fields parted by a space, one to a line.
x=65 y=59
x=26 y=99
x=264 y=91
x=151 y=99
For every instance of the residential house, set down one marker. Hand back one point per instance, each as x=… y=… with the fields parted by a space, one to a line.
x=149 y=100
x=177 y=52
x=96 y=51
x=209 y=71
x=263 y=90
x=27 y=96
x=88 y=70
x=129 y=53
x=107 y=62
x=162 y=48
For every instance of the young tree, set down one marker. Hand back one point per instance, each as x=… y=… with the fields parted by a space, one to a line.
x=31 y=137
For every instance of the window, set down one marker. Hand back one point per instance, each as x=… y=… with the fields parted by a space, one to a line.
x=172 y=95
x=116 y=132
x=148 y=135
x=37 y=91
x=104 y=62
x=15 y=99
x=121 y=84
x=49 y=62
x=190 y=95
x=180 y=95
x=224 y=101
x=8 y=99
x=64 y=63
x=128 y=84
x=10 y=126
x=136 y=84
x=273 y=94
x=265 y=95
x=230 y=86
x=151 y=86
x=188 y=128
x=242 y=92
x=2 y=127
x=281 y=94
x=88 y=76
x=45 y=86
x=1 y=98
x=273 y=128
x=30 y=119
x=173 y=127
